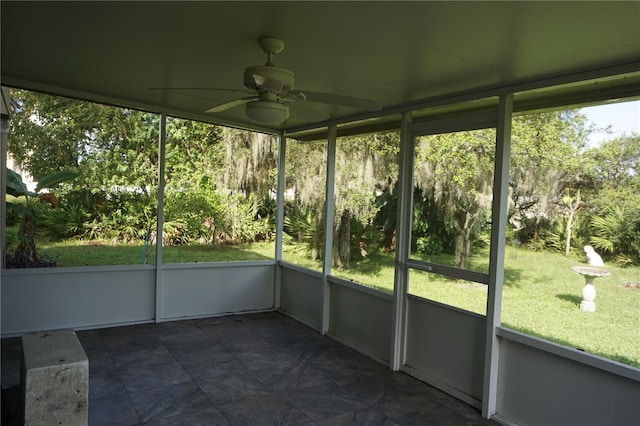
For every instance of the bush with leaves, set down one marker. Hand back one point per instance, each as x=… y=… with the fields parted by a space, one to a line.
x=240 y=222
x=191 y=215
x=67 y=221
x=124 y=218
x=616 y=234
x=306 y=227
x=30 y=206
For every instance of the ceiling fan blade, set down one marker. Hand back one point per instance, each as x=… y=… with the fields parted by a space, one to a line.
x=341 y=100
x=231 y=104
x=306 y=112
x=168 y=89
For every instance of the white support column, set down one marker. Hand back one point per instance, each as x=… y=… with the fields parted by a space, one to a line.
x=403 y=235
x=160 y=215
x=282 y=151
x=496 y=259
x=328 y=226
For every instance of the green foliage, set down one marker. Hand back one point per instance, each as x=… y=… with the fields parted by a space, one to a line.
x=220 y=182
x=195 y=213
x=431 y=232
x=15 y=185
x=241 y=223
x=124 y=218
x=617 y=233
x=554 y=238
x=305 y=227
x=456 y=170
x=67 y=221
x=613 y=171
x=30 y=207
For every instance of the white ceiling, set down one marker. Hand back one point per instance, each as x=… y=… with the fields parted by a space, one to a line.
x=395 y=52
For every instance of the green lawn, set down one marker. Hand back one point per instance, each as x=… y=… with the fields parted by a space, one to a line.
x=541 y=294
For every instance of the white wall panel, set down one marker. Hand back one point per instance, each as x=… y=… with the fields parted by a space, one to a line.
x=301 y=295
x=539 y=387
x=55 y=298
x=361 y=317
x=210 y=289
x=447 y=344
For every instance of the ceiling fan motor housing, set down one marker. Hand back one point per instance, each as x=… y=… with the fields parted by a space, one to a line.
x=269 y=75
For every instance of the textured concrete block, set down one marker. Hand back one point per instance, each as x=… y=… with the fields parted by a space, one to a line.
x=55 y=379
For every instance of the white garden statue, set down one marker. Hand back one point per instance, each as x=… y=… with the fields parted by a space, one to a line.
x=593 y=258
x=590 y=273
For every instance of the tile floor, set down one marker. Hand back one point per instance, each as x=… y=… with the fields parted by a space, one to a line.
x=257 y=369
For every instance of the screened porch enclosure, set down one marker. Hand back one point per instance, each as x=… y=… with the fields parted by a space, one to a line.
x=442 y=345
x=498 y=373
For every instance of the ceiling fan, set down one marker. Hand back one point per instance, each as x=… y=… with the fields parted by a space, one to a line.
x=270 y=91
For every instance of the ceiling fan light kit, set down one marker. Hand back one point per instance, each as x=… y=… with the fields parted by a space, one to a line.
x=267 y=112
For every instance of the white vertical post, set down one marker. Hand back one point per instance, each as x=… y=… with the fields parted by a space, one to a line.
x=282 y=151
x=160 y=215
x=328 y=226
x=4 y=136
x=403 y=235
x=496 y=259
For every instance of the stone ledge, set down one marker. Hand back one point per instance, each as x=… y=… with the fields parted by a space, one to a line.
x=55 y=379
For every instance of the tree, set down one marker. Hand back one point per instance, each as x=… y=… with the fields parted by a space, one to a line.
x=457 y=168
x=25 y=254
x=545 y=163
x=365 y=166
x=305 y=180
x=613 y=170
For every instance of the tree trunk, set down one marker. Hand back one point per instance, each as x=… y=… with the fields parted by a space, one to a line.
x=344 y=245
x=466 y=222
x=26 y=250
x=463 y=248
x=573 y=209
x=567 y=244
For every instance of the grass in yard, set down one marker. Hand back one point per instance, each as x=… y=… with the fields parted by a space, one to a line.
x=541 y=294
x=102 y=252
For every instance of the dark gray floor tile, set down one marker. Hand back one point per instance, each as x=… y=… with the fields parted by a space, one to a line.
x=217 y=320
x=321 y=402
x=213 y=365
x=433 y=414
x=104 y=379
x=259 y=316
x=255 y=369
x=179 y=331
x=170 y=401
x=225 y=332
x=230 y=388
x=91 y=341
x=127 y=339
x=140 y=357
x=153 y=376
x=284 y=331
x=274 y=356
x=400 y=405
x=268 y=410
x=366 y=417
x=115 y=409
x=300 y=376
x=194 y=349
x=211 y=417
x=242 y=343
